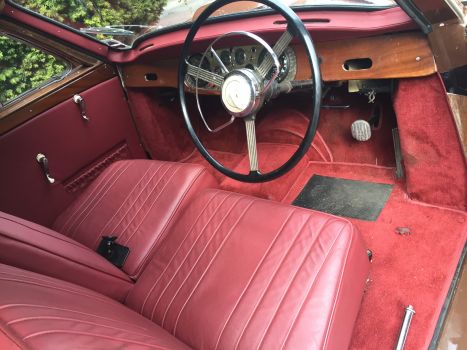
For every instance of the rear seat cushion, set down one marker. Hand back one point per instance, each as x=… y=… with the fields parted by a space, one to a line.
x=39 y=312
x=36 y=248
x=238 y=271
x=134 y=200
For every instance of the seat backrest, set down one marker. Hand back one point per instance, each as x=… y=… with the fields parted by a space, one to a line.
x=237 y=270
x=133 y=200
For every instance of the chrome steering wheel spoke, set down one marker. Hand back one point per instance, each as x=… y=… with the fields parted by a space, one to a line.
x=279 y=48
x=205 y=75
x=243 y=90
x=251 y=143
x=219 y=61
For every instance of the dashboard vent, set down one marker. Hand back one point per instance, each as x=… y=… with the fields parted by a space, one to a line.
x=357 y=64
x=305 y=20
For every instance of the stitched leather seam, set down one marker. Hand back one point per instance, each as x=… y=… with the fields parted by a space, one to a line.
x=174 y=213
x=83 y=264
x=49 y=280
x=95 y=202
x=341 y=277
x=275 y=275
x=3 y=307
x=186 y=257
x=88 y=201
x=11 y=336
x=176 y=251
x=111 y=338
x=76 y=320
x=148 y=195
x=101 y=232
x=154 y=200
x=56 y=288
x=201 y=255
x=306 y=295
x=97 y=187
x=123 y=231
x=59 y=236
x=258 y=267
x=286 y=291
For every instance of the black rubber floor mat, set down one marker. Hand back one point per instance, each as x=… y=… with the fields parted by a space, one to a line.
x=349 y=198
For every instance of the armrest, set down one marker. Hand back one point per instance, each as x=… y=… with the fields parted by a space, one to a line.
x=36 y=248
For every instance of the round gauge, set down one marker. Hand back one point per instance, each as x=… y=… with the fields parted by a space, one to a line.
x=288 y=65
x=226 y=58
x=240 y=57
x=195 y=60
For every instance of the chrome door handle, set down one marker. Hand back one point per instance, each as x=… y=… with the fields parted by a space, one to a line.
x=82 y=106
x=44 y=164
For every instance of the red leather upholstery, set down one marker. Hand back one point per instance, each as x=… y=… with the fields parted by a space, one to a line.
x=135 y=201
x=39 y=249
x=236 y=271
x=70 y=144
x=38 y=312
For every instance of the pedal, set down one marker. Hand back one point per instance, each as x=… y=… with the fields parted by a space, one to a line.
x=361 y=130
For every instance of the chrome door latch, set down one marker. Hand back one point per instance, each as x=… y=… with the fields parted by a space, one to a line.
x=44 y=164
x=82 y=106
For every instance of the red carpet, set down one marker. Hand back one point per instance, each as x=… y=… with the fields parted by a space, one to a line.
x=415 y=269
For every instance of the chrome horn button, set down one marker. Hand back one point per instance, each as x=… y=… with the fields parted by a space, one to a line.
x=241 y=93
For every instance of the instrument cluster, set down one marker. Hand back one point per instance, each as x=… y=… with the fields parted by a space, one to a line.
x=243 y=57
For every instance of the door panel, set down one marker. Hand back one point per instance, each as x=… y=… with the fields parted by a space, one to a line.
x=77 y=151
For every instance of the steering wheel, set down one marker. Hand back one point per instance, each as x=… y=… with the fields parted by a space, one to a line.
x=244 y=91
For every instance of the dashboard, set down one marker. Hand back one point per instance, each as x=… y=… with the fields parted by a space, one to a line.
x=237 y=57
x=389 y=56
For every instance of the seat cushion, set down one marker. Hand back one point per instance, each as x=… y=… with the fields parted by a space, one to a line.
x=36 y=248
x=241 y=272
x=38 y=312
x=134 y=200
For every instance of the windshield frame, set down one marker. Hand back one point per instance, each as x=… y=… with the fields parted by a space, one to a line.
x=186 y=25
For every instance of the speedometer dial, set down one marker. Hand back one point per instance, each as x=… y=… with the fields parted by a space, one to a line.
x=240 y=56
x=226 y=58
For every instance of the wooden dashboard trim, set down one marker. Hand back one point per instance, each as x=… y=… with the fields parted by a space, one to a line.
x=403 y=55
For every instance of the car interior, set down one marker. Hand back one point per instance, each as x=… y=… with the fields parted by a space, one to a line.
x=237 y=175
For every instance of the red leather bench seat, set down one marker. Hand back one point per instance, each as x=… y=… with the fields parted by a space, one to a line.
x=232 y=272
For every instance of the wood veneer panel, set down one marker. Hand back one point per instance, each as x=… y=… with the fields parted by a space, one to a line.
x=393 y=56
x=459 y=110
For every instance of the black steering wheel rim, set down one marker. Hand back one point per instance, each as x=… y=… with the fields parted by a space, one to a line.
x=298 y=29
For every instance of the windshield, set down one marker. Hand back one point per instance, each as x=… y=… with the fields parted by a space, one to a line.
x=119 y=23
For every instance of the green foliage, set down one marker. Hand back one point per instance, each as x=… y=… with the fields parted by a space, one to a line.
x=23 y=68
x=96 y=13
